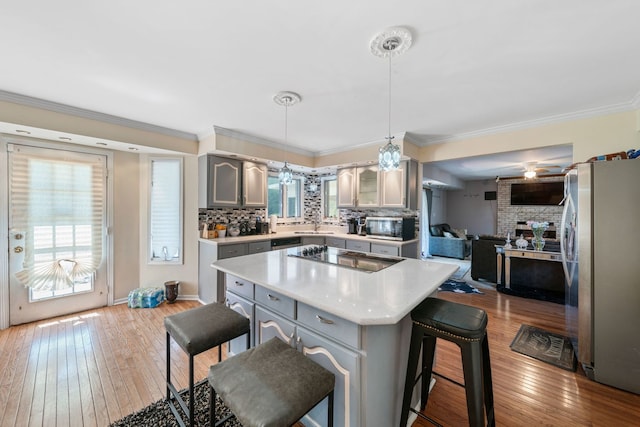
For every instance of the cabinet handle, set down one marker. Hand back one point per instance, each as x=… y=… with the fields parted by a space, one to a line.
x=324 y=320
x=239 y=283
x=273 y=298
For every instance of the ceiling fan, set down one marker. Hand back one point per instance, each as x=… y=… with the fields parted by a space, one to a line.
x=532 y=169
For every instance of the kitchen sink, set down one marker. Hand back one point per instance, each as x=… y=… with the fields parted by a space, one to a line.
x=313 y=232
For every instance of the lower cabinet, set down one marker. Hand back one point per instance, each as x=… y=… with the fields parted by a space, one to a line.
x=245 y=308
x=207 y=276
x=358 y=245
x=337 y=358
x=344 y=364
x=336 y=242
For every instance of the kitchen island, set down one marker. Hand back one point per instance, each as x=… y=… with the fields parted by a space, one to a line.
x=353 y=322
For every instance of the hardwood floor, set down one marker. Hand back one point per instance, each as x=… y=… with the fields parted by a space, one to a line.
x=92 y=368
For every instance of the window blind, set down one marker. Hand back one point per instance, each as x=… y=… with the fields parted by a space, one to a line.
x=58 y=202
x=166 y=210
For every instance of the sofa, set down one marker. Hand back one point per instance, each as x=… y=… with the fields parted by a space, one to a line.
x=530 y=278
x=446 y=242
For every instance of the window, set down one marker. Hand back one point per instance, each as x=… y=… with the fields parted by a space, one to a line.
x=165 y=211
x=329 y=197
x=285 y=200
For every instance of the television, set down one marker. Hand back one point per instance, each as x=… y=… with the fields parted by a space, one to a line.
x=537 y=193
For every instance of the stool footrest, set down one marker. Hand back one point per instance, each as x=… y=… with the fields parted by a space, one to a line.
x=424 y=417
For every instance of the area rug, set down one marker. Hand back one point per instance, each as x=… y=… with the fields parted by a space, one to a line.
x=159 y=413
x=545 y=346
x=458 y=286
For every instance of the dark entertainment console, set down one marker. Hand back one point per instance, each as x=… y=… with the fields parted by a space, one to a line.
x=533 y=275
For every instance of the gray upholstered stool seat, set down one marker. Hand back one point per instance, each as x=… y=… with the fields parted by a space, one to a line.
x=271 y=385
x=465 y=326
x=197 y=330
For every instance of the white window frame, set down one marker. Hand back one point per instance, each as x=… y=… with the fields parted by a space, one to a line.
x=150 y=257
x=284 y=200
x=323 y=202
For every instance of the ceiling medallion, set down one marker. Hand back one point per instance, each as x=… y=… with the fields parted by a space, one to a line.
x=392 y=42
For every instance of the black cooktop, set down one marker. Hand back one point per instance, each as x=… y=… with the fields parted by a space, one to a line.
x=362 y=261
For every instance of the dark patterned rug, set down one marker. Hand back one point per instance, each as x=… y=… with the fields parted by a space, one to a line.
x=159 y=413
x=458 y=286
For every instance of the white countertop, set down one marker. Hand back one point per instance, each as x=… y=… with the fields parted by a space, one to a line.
x=284 y=234
x=380 y=298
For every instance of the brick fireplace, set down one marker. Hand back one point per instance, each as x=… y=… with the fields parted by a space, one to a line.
x=509 y=216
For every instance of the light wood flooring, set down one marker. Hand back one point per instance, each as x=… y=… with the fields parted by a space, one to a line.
x=92 y=368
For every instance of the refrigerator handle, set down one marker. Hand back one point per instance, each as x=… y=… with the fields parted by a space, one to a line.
x=563 y=223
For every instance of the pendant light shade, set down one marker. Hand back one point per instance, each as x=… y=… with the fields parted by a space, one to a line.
x=391 y=42
x=285 y=175
x=286 y=99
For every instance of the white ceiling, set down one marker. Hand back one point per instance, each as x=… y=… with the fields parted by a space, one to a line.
x=473 y=67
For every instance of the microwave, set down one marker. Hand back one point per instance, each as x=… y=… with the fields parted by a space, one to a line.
x=391 y=228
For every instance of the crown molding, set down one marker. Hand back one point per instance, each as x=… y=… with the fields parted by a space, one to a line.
x=217 y=130
x=635 y=102
x=28 y=101
x=559 y=118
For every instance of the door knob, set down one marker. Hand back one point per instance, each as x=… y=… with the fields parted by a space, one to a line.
x=18 y=249
x=18 y=236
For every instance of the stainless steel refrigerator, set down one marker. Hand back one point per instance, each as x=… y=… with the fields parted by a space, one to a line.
x=601 y=259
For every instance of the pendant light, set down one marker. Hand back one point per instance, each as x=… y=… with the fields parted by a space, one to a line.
x=391 y=42
x=286 y=99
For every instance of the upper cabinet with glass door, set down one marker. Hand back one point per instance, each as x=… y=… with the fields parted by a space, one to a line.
x=367 y=186
x=358 y=187
x=370 y=187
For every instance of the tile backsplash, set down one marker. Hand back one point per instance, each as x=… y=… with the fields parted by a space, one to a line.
x=312 y=207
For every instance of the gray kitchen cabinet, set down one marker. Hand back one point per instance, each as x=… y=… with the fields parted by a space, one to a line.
x=358 y=245
x=393 y=187
x=369 y=187
x=219 y=182
x=406 y=250
x=358 y=187
x=313 y=240
x=346 y=187
x=257 y=247
x=245 y=308
x=254 y=184
x=339 y=360
x=267 y=325
x=335 y=242
x=377 y=248
x=207 y=276
x=399 y=188
x=234 y=250
x=224 y=182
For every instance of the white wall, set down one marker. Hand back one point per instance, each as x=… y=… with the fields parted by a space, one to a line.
x=154 y=275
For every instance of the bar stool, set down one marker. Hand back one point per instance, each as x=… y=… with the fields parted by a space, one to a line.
x=465 y=326
x=197 y=330
x=270 y=385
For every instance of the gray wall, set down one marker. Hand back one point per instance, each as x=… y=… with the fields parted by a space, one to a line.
x=468 y=209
